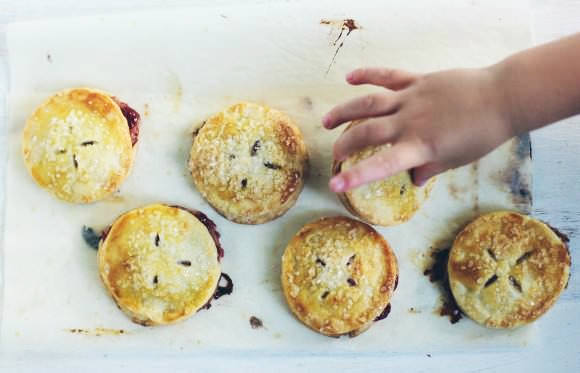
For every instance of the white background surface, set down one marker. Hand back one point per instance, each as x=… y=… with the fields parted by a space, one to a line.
x=556 y=199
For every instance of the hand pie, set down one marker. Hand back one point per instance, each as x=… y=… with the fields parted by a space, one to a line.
x=161 y=263
x=507 y=269
x=79 y=144
x=338 y=276
x=249 y=163
x=385 y=202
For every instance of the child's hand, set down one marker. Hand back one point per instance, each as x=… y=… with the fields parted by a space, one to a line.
x=435 y=122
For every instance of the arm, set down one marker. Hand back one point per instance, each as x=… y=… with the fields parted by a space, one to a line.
x=447 y=119
x=542 y=84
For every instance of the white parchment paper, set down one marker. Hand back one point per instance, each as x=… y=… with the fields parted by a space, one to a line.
x=177 y=67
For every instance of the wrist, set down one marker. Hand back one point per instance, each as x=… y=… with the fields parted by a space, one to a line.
x=503 y=101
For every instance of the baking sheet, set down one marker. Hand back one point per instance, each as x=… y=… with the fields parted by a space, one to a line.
x=176 y=68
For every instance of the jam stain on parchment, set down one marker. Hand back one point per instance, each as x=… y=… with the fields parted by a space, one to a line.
x=91 y=237
x=437 y=273
x=384 y=314
x=456 y=186
x=175 y=91
x=474 y=168
x=456 y=191
x=256 y=323
x=226 y=289
x=465 y=188
x=347 y=25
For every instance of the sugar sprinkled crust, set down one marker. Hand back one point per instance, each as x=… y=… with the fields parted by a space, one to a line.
x=507 y=269
x=159 y=263
x=249 y=161
x=338 y=275
x=387 y=202
x=78 y=146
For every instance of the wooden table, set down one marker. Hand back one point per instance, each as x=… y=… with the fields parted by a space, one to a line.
x=556 y=159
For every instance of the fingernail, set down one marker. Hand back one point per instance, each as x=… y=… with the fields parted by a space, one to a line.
x=337 y=184
x=420 y=183
x=326 y=120
x=349 y=77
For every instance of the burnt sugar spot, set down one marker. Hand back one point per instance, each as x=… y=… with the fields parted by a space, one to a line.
x=196 y=128
x=97 y=332
x=344 y=27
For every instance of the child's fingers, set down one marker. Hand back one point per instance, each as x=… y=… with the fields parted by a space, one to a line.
x=423 y=173
x=375 y=131
x=389 y=78
x=368 y=106
x=400 y=157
